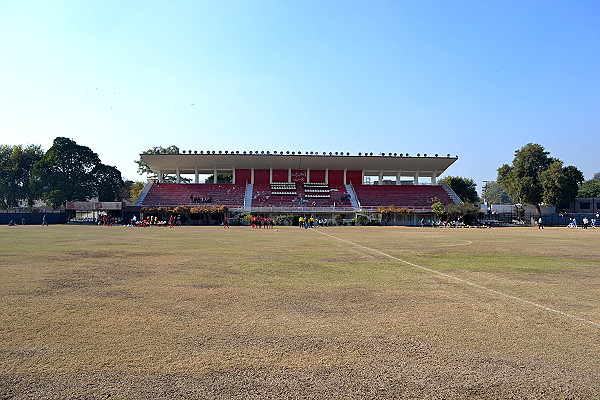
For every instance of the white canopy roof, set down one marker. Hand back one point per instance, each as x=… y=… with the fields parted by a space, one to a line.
x=192 y=163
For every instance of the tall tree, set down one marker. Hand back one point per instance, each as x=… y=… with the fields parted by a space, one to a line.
x=465 y=188
x=527 y=181
x=144 y=169
x=221 y=178
x=134 y=189
x=109 y=183
x=560 y=184
x=15 y=172
x=591 y=187
x=71 y=172
x=466 y=212
x=493 y=193
x=521 y=179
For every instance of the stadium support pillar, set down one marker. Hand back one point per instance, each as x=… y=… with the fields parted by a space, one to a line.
x=399 y=177
x=215 y=175
x=252 y=175
x=327 y=176
x=416 y=180
x=160 y=176
x=381 y=177
x=434 y=178
x=232 y=174
x=270 y=174
x=290 y=175
x=196 y=177
x=308 y=175
x=345 y=173
x=178 y=175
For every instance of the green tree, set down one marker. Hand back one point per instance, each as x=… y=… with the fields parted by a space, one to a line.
x=560 y=184
x=70 y=172
x=221 y=178
x=15 y=173
x=338 y=219
x=591 y=187
x=109 y=183
x=361 y=220
x=465 y=188
x=134 y=189
x=466 y=212
x=144 y=169
x=438 y=209
x=521 y=179
x=493 y=193
x=526 y=181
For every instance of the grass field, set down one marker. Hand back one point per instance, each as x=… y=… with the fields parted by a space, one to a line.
x=348 y=312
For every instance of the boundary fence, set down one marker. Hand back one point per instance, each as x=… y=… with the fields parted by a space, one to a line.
x=33 y=218
x=529 y=219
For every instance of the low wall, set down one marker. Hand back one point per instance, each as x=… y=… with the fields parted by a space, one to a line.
x=33 y=218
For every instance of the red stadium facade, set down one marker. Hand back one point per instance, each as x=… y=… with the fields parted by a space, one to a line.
x=322 y=185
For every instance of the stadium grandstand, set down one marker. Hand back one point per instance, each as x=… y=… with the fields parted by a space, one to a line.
x=271 y=184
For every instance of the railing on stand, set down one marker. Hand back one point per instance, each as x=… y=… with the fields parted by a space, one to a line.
x=303 y=209
x=353 y=197
x=451 y=193
x=143 y=194
x=248 y=197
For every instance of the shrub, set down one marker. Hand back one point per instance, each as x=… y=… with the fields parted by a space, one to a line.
x=282 y=220
x=361 y=220
x=338 y=219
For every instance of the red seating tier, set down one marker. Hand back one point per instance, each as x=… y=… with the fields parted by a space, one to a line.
x=410 y=196
x=232 y=195
x=175 y=194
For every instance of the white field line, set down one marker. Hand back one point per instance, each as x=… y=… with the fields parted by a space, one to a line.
x=468 y=243
x=465 y=281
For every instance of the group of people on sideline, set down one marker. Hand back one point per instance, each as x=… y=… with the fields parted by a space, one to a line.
x=585 y=223
x=311 y=222
x=304 y=221
x=152 y=220
x=24 y=221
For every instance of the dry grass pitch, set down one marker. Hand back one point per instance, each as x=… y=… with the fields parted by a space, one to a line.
x=203 y=312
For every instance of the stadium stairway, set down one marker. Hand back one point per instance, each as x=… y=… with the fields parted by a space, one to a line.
x=451 y=193
x=352 y=194
x=143 y=194
x=248 y=197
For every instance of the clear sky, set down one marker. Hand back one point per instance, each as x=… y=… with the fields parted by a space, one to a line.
x=477 y=79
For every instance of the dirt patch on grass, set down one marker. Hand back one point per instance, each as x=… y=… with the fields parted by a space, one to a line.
x=408 y=374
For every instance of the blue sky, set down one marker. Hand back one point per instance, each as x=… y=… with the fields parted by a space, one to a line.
x=471 y=78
